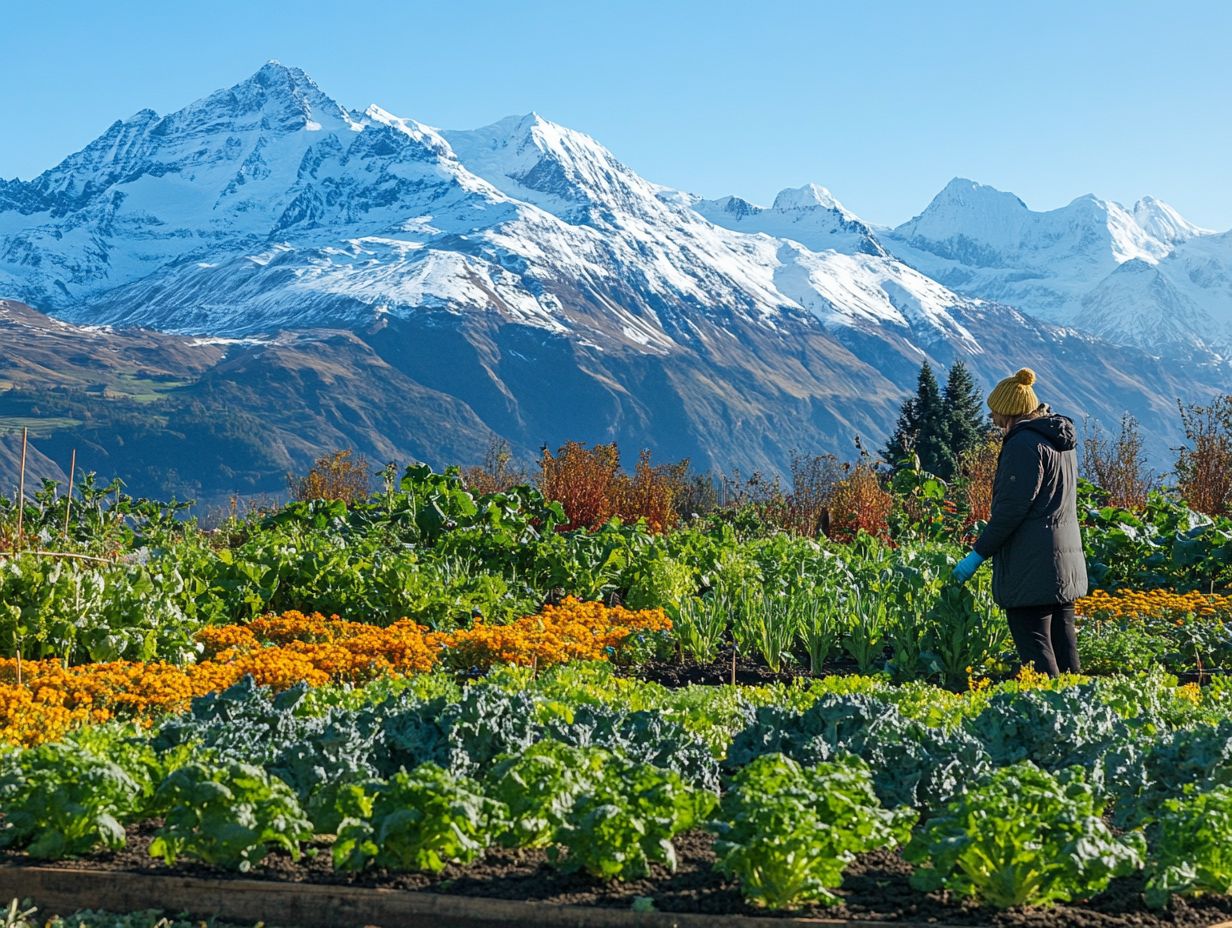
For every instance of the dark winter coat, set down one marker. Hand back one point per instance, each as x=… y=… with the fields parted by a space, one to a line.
x=1032 y=534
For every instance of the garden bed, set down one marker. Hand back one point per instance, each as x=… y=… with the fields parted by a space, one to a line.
x=519 y=888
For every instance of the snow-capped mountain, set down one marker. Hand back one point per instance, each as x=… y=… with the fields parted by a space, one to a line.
x=269 y=205
x=1118 y=273
x=522 y=271
x=809 y=215
x=1163 y=223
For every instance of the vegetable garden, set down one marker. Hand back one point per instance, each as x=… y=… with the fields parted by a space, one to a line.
x=442 y=691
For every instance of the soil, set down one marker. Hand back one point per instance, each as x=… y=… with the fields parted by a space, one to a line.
x=753 y=670
x=749 y=670
x=876 y=887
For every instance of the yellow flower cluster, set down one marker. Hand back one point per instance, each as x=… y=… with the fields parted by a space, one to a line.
x=52 y=698
x=282 y=650
x=572 y=631
x=1146 y=604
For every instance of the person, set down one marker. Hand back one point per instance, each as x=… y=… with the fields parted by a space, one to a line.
x=1032 y=536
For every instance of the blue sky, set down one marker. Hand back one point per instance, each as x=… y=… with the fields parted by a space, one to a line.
x=882 y=103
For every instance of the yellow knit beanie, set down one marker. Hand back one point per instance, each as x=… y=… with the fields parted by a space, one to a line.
x=1013 y=396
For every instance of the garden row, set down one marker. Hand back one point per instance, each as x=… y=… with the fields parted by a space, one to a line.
x=952 y=635
x=431 y=551
x=1031 y=791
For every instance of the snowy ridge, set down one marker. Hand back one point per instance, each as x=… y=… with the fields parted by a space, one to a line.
x=269 y=205
x=1087 y=264
x=810 y=215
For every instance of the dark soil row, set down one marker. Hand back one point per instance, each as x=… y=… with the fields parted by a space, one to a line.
x=876 y=887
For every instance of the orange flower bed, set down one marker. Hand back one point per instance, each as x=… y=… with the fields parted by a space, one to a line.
x=282 y=650
x=572 y=631
x=1145 y=604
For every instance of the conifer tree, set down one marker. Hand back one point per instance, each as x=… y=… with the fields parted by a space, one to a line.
x=966 y=423
x=932 y=440
x=921 y=427
x=902 y=441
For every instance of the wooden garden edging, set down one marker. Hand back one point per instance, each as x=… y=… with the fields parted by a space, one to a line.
x=61 y=891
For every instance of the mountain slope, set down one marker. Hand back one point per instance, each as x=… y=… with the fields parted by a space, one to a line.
x=410 y=291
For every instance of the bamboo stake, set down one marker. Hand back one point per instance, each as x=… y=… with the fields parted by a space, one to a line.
x=68 y=503
x=80 y=557
x=21 y=487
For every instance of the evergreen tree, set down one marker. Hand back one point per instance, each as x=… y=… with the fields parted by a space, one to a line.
x=902 y=441
x=966 y=423
x=921 y=428
x=932 y=441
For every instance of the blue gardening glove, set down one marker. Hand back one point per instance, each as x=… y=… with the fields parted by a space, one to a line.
x=964 y=570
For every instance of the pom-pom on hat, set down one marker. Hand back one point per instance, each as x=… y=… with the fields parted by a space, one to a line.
x=1013 y=396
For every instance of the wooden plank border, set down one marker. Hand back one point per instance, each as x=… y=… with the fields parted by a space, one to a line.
x=61 y=891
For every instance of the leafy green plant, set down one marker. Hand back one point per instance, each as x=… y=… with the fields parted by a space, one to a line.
x=911 y=763
x=1199 y=758
x=771 y=626
x=660 y=581
x=539 y=786
x=869 y=621
x=817 y=621
x=59 y=800
x=1191 y=846
x=616 y=829
x=1122 y=646
x=1023 y=837
x=229 y=816
x=965 y=629
x=699 y=623
x=418 y=820
x=787 y=831
x=1054 y=729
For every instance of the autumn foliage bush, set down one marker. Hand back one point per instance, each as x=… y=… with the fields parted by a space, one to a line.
x=1118 y=465
x=341 y=475
x=859 y=502
x=592 y=489
x=498 y=473
x=977 y=468
x=1204 y=464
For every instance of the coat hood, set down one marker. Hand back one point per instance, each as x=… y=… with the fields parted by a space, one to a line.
x=1059 y=430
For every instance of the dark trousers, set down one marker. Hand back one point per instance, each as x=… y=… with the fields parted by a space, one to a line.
x=1045 y=637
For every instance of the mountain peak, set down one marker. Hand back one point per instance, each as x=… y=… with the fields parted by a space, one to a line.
x=1163 y=222
x=806 y=197
x=558 y=168
x=965 y=193
x=283 y=97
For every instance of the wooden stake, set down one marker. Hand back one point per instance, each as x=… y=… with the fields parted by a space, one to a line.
x=19 y=666
x=68 y=503
x=733 y=683
x=71 y=554
x=21 y=486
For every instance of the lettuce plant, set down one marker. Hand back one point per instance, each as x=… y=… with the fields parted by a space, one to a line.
x=230 y=816
x=627 y=820
x=419 y=820
x=787 y=831
x=1191 y=846
x=59 y=800
x=1023 y=837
